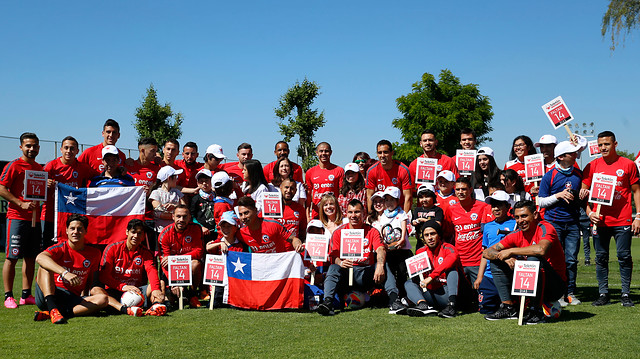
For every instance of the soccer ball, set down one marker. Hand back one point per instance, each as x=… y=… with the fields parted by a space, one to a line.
x=131 y=299
x=552 y=310
x=355 y=300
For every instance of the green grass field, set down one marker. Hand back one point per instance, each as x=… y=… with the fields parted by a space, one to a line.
x=583 y=331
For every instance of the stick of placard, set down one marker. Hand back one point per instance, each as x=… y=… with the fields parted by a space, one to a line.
x=351 y=247
x=214 y=271
x=35 y=189
x=525 y=282
x=180 y=274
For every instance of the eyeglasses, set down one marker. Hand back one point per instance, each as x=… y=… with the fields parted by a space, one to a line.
x=520 y=145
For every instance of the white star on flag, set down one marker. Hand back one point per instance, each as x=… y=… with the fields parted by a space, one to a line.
x=71 y=199
x=238 y=266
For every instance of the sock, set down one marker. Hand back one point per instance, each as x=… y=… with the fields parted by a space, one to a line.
x=8 y=294
x=50 y=300
x=392 y=297
x=123 y=309
x=26 y=293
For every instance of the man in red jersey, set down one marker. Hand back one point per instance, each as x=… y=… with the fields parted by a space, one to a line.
x=467 y=141
x=234 y=169
x=93 y=155
x=66 y=273
x=293 y=217
x=429 y=145
x=190 y=165
x=446 y=196
x=386 y=173
x=126 y=266
x=323 y=178
x=23 y=240
x=170 y=151
x=616 y=220
x=183 y=237
x=535 y=240
x=64 y=169
x=282 y=150
x=264 y=235
x=143 y=170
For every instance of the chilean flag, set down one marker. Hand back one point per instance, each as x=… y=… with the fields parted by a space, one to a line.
x=264 y=281
x=109 y=210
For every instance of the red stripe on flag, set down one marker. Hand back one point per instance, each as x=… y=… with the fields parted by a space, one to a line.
x=266 y=295
x=102 y=230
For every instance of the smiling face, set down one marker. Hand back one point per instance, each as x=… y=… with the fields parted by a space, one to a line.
x=525 y=219
x=135 y=236
x=69 y=150
x=483 y=162
x=76 y=232
x=110 y=135
x=467 y=141
x=282 y=150
x=378 y=204
x=354 y=215
x=284 y=169
x=385 y=155
x=329 y=209
x=30 y=148
x=246 y=214
x=324 y=153
x=288 y=189
x=521 y=149
x=428 y=142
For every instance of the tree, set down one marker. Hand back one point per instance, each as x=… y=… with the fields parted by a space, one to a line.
x=621 y=16
x=627 y=154
x=156 y=121
x=446 y=107
x=304 y=123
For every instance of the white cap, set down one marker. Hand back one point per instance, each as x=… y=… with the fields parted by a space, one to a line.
x=351 y=167
x=565 y=147
x=379 y=194
x=392 y=191
x=203 y=172
x=109 y=150
x=229 y=217
x=448 y=175
x=219 y=179
x=546 y=140
x=426 y=186
x=486 y=151
x=500 y=196
x=315 y=223
x=166 y=172
x=216 y=150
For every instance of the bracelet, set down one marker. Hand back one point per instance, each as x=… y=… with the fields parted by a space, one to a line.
x=64 y=273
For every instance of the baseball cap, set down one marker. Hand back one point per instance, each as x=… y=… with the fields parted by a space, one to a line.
x=486 y=151
x=565 y=147
x=203 y=172
x=109 y=150
x=229 y=217
x=392 y=191
x=315 y=223
x=219 y=179
x=216 y=150
x=351 y=167
x=497 y=196
x=546 y=140
x=379 y=194
x=426 y=187
x=166 y=172
x=448 y=175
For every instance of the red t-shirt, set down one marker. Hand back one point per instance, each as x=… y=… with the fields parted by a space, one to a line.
x=518 y=166
x=294 y=220
x=82 y=263
x=143 y=175
x=76 y=175
x=398 y=176
x=12 y=177
x=120 y=266
x=372 y=241
x=297 y=171
x=443 y=259
x=467 y=230
x=189 y=242
x=544 y=230
x=269 y=238
x=234 y=172
x=620 y=213
x=445 y=202
x=321 y=181
x=93 y=157
x=445 y=163
x=188 y=177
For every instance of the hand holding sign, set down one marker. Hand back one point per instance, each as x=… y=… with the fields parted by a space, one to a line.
x=351 y=247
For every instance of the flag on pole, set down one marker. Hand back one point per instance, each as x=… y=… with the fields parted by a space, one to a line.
x=265 y=281
x=109 y=210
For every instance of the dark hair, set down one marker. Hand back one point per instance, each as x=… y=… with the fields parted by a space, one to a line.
x=427 y=193
x=384 y=143
x=527 y=141
x=607 y=134
x=172 y=140
x=80 y=218
x=355 y=202
x=464 y=180
x=29 y=136
x=111 y=123
x=512 y=175
x=178 y=206
x=525 y=204
x=135 y=223
x=256 y=175
x=244 y=146
x=147 y=141
x=428 y=132
x=495 y=183
x=323 y=143
x=431 y=224
x=279 y=142
x=365 y=156
x=356 y=187
x=492 y=174
x=277 y=179
x=69 y=138
x=190 y=144
x=226 y=190
x=248 y=202
x=373 y=214
x=468 y=131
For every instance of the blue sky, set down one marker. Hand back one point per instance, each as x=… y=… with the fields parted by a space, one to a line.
x=68 y=66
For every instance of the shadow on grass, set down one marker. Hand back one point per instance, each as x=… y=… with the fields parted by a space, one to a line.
x=572 y=315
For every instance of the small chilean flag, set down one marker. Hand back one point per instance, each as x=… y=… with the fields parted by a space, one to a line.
x=265 y=281
x=109 y=210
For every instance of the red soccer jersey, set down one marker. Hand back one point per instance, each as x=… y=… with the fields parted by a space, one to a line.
x=12 y=177
x=144 y=175
x=321 y=181
x=234 y=172
x=120 y=266
x=188 y=177
x=443 y=259
x=620 y=213
x=297 y=171
x=82 y=263
x=544 y=230
x=76 y=175
x=467 y=230
x=446 y=202
x=398 y=176
x=518 y=166
x=188 y=242
x=269 y=238
x=294 y=220
x=445 y=163
x=93 y=157
x=372 y=241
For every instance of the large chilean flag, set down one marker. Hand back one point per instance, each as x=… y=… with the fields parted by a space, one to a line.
x=265 y=281
x=109 y=210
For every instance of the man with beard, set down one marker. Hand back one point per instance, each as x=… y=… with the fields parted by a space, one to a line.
x=387 y=173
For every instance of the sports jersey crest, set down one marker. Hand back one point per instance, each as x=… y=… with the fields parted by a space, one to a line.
x=394 y=180
x=331 y=177
x=75 y=174
x=137 y=261
x=86 y=263
x=620 y=172
x=440 y=260
x=265 y=238
x=474 y=216
x=187 y=239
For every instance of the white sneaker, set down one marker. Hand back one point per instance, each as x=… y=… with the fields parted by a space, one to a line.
x=573 y=300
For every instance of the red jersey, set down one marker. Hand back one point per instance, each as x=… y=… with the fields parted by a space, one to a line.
x=269 y=238
x=544 y=230
x=143 y=175
x=76 y=175
x=321 y=181
x=443 y=259
x=294 y=220
x=188 y=242
x=445 y=163
x=120 y=266
x=82 y=263
x=620 y=213
x=12 y=177
x=297 y=171
x=467 y=230
x=398 y=176
x=188 y=178
x=518 y=166
x=445 y=202
x=93 y=157
x=234 y=172
x=372 y=241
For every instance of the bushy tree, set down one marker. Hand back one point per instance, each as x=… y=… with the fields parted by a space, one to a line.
x=155 y=120
x=621 y=16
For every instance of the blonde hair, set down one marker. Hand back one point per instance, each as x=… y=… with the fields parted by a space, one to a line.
x=323 y=218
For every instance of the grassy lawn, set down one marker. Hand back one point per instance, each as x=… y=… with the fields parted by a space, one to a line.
x=582 y=331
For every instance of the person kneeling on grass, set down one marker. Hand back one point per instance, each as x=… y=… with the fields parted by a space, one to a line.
x=125 y=267
x=535 y=240
x=441 y=282
x=66 y=271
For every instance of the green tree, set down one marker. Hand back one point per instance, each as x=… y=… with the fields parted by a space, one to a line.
x=621 y=16
x=297 y=118
x=628 y=154
x=155 y=120
x=446 y=107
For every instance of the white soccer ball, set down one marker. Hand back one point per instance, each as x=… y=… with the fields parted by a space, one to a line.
x=131 y=299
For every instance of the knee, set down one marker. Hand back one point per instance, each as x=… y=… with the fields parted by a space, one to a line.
x=101 y=300
x=97 y=291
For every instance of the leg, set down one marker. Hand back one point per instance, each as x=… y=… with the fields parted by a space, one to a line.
x=572 y=247
x=334 y=275
x=414 y=292
x=9 y=273
x=111 y=301
x=91 y=304
x=28 y=269
x=622 y=237
x=601 y=241
x=502 y=278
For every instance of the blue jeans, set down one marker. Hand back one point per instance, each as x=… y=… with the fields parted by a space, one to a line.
x=362 y=279
x=585 y=230
x=569 y=236
x=601 y=241
x=439 y=297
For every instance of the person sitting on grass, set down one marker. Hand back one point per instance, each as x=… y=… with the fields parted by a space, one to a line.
x=66 y=271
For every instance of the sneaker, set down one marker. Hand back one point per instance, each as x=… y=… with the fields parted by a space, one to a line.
x=135 y=311
x=10 y=303
x=448 y=312
x=56 y=317
x=29 y=301
x=536 y=316
x=325 y=308
x=204 y=295
x=41 y=315
x=602 y=300
x=572 y=299
x=563 y=302
x=625 y=300
x=194 y=302
x=506 y=311
x=157 y=309
x=397 y=307
x=421 y=310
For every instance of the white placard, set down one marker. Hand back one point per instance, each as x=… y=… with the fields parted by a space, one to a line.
x=603 y=188
x=272 y=205
x=557 y=112
x=35 y=185
x=426 y=170
x=352 y=244
x=418 y=264
x=466 y=161
x=316 y=247
x=525 y=278
x=180 y=271
x=214 y=268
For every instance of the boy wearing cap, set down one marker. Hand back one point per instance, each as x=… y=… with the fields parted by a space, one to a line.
x=426 y=210
x=165 y=198
x=213 y=158
x=202 y=205
x=446 y=181
x=93 y=155
x=114 y=175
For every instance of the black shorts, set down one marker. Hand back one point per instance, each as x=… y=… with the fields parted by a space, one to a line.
x=23 y=241
x=65 y=300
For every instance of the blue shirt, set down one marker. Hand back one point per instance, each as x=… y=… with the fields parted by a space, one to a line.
x=554 y=182
x=490 y=236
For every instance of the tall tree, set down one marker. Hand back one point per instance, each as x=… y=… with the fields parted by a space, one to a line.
x=155 y=120
x=297 y=118
x=446 y=107
x=621 y=16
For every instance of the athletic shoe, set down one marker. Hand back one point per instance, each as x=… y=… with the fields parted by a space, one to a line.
x=506 y=311
x=572 y=299
x=135 y=311
x=204 y=295
x=56 y=316
x=397 y=307
x=194 y=302
x=536 y=316
x=421 y=310
x=41 y=315
x=29 y=301
x=625 y=300
x=602 y=300
x=10 y=303
x=325 y=308
x=157 y=309
x=563 y=302
x=448 y=312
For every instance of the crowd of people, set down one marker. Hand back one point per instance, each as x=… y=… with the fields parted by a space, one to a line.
x=472 y=226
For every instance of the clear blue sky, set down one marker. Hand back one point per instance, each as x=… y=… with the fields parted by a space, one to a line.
x=67 y=66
